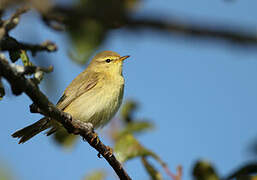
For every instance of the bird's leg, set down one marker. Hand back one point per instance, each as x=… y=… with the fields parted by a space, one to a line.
x=94 y=138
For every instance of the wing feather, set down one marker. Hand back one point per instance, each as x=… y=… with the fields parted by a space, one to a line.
x=83 y=83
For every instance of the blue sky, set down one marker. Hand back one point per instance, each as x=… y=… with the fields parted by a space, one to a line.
x=200 y=95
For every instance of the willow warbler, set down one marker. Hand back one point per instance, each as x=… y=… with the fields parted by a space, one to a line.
x=94 y=96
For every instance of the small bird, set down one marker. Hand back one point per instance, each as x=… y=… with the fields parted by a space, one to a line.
x=94 y=96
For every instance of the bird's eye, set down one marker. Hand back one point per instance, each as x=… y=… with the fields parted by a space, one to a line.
x=107 y=60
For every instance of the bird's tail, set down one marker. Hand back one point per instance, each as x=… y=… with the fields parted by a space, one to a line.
x=30 y=131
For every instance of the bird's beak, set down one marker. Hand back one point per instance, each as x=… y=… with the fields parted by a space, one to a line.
x=123 y=58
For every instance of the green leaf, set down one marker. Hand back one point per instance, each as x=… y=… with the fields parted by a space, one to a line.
x=5 y=173
x=154 y=174
x=136 y=127
x=25 y=58
x=127 y=147
x=85 y=39
x=203 y=170
x=128 y=109
x=96 y=175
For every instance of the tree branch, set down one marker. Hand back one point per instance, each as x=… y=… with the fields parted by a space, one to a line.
x=10 y=44
x=223 y=33
x=235 y=35
x=20 y=84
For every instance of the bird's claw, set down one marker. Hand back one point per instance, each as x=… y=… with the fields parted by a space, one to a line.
x=94 y=138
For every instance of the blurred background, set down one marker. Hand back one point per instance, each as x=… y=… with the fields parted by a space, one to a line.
x=192 y=75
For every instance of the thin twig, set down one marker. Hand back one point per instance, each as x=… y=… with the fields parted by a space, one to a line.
x=20 y=84
x=9 y=24
x=11 y=44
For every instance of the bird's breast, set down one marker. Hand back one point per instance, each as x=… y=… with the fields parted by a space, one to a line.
x=100 y=104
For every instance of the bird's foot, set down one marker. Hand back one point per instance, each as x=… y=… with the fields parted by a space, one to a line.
x=94 y=138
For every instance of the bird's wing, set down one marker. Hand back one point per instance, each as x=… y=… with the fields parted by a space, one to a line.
x=83 y=83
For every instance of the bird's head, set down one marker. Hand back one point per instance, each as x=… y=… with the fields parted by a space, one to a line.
x=107 y=61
